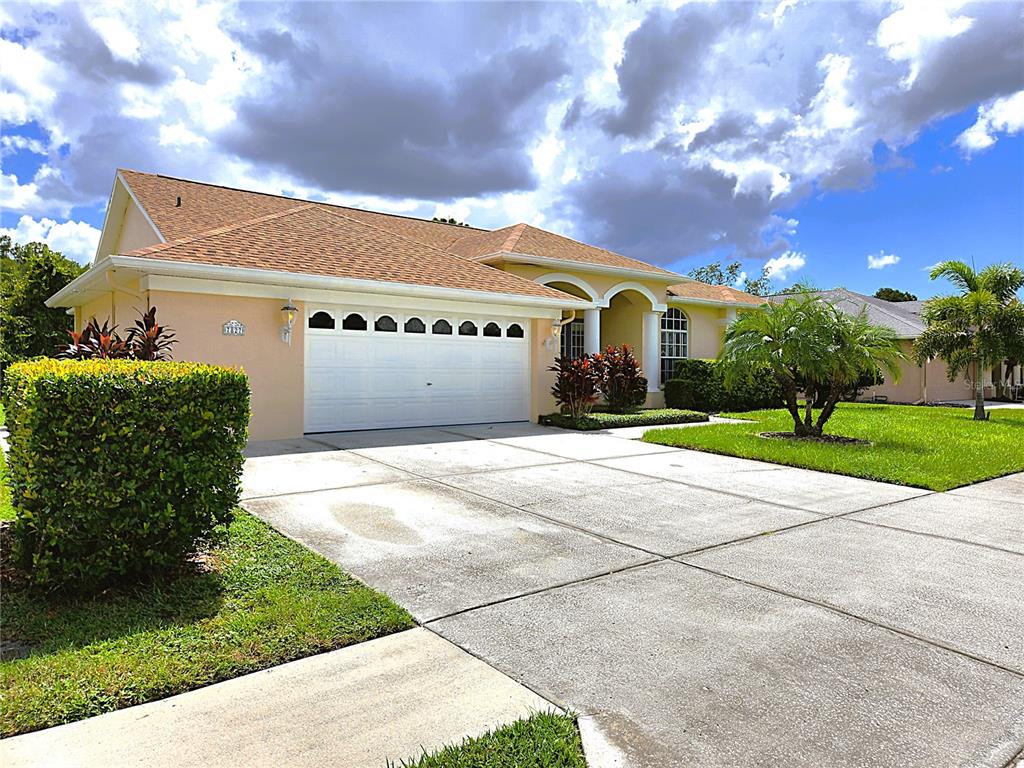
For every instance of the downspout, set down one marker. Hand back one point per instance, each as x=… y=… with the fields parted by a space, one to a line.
x=114 y=288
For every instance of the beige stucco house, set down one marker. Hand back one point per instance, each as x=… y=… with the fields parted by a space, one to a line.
x=925 y=383
x=349 y=319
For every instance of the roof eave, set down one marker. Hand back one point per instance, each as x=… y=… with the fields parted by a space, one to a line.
x=581 y=266
x=672 y=299
x=299 y=280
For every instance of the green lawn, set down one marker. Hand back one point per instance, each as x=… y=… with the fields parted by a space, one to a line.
x=642 y=418
x=936 y=448
x=261 y=600
x=545 y=740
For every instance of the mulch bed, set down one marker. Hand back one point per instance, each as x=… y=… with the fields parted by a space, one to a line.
x=828 y=439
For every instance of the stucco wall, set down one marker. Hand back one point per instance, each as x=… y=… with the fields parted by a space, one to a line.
x=705 y=329
x=941 y=388
x=275 y=370
x=135 y=232
x=541 y=358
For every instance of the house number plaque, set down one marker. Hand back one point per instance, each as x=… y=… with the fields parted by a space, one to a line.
x=233 y=328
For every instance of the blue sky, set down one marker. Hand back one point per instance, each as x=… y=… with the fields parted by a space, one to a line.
x=813 y=139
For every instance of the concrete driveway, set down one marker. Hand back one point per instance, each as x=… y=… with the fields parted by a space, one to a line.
x=694 y=609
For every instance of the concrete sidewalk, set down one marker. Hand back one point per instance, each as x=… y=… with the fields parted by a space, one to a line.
x=386 y=699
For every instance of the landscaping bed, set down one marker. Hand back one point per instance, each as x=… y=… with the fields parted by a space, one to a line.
x=545 y=740
x=934 y=448
x=255 y=601
x=644 y=418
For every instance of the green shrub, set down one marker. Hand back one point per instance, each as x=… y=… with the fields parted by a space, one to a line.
x=119 y=468
x=621 y=383
x=700 y=385
x=605 y=420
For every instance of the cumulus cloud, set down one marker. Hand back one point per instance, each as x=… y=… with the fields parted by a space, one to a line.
x=784 y=265
x=659 y=132
x=75 y=239
x=881 y=260
x=998 y=116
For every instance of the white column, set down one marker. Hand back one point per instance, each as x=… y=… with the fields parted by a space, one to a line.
x=591 y=331
x=652 y=350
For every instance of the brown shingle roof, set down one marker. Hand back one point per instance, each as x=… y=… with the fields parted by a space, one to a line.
x=722 y=293
x=207 y=206
x=344 y=247
x=208 y=209
x=532 y=241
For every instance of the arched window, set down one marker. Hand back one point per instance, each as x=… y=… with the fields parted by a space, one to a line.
x=515 y=331
x=354 y=322
x=467 y=328
x=674 y=341
x=492 y=329
x=415 y=325
x=386 y=323
x=441 y=328
x=322 y=320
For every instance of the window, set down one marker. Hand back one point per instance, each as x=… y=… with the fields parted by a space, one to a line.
x=467 y=328
x=515 y=331
x=415 y=325
x=386 y=323
x=354 y=322
x=674 y=327
x=321 y=320
x=441 y=328
x=492 y=329
x=572 y=340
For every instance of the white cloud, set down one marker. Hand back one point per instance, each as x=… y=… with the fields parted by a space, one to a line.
x=881 y=260
x=999 y=116
x=913 y=30
x=75 y=239
x=782 y=266
x=15 y=196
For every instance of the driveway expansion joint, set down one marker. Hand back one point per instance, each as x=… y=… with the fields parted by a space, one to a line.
x=857 y=617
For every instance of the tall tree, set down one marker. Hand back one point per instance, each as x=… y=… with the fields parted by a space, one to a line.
x=975 y=328
x=31 y=273
x=810 y=345
x=894 y=294
x=731 y=275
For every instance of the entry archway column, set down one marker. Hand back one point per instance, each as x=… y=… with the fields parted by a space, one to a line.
x=592 y=331
x=651 y=362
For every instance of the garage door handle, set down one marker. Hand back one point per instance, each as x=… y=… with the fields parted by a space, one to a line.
x=430 y=383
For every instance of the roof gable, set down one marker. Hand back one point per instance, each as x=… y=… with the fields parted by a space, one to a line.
x=720 y=294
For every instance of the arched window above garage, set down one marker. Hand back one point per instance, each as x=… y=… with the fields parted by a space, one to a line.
x=354 y=322
x=322 y=320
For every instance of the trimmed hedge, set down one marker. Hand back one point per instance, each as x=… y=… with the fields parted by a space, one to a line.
x=120 y=469
x=604 y=420
x=700 y=385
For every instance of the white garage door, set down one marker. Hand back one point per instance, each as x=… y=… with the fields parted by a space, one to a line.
x=377 y=369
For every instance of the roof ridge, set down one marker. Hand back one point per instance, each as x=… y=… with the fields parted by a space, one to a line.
x=303 y=200
x=514 y=236
x=393 y=233
x=223 y=229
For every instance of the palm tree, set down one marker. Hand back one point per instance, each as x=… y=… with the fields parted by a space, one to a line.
x=982 y=324
x=811 y=345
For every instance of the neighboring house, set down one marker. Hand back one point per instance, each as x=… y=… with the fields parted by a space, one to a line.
x=350 y=319
x=928 y=383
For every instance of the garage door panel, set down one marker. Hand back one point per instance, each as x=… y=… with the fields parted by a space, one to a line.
x=377 y=380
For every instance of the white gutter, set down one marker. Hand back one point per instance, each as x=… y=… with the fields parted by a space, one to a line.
x=294 y=280
x=673 y=299
x=582 y=266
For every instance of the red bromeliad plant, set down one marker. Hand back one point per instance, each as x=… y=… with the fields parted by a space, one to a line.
x=621 y=383
x=576 y=384
x=148 y=340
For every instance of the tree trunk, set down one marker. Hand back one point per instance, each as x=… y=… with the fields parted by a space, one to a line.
x=809 y=394
x=834 y=393
x=788 y=387
x=979 y=390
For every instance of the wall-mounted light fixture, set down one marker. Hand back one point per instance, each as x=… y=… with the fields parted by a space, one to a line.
x=288 y=312
x=556 y=330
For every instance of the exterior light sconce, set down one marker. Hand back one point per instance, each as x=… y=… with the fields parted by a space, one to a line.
x=556 y=330
x=288 y=312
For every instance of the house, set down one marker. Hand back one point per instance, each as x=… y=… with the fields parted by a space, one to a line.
x=927 y=383
x=346 y=319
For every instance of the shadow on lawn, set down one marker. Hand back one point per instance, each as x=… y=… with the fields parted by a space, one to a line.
x=35 y=622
